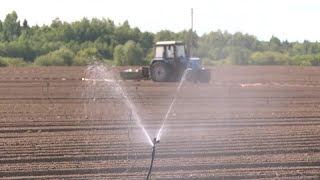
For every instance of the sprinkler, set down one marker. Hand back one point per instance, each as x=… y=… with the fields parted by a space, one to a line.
x=154 y=141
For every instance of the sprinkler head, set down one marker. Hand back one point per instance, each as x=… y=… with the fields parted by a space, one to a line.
x=155 y=141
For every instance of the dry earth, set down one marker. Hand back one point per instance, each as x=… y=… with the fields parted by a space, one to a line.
x=248 y=123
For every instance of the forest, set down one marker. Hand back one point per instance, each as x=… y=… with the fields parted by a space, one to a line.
x=82 y=42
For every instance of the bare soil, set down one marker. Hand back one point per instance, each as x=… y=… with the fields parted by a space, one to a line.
x=249 y=122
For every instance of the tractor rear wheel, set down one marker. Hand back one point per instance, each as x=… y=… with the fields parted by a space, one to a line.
x=160 y=72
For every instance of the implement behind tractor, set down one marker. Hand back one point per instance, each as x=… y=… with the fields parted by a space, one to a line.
x=169 y=64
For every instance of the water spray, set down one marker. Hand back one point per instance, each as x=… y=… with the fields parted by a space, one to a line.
x=154 y=141
x=104 y=74
x=160 y=132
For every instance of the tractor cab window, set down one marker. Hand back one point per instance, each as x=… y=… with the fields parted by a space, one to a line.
x=159 y=51
x=170 y=51
x=180 y=51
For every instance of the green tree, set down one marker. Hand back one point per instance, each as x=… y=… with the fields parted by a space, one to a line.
x=25 y=25
x=124 y=33
x=61 y=57
x=100 y=39
x=11 y=27
x=269 y=58
x=165 y=35
x=133 y=53
x=56 y=23
x=91 y=52
x=119 y=55
x=87 y=56
x=103 y=48
x=1 y=34
x=275 y=44
x=239 y=55
x=0 y=29
x=146 y=42
x=129 y=54
x=12 y=62
x=297 y=49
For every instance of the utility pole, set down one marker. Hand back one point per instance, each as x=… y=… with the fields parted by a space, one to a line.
x=191 y=33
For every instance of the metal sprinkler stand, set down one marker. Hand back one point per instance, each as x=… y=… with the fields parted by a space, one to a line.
x=154 y=141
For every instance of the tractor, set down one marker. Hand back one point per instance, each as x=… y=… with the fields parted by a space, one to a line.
x=169 y=65
x=171 y=61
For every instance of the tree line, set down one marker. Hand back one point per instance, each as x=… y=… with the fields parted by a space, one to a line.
x=82 y=42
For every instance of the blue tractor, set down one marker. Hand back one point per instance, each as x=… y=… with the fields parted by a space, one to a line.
x=171 y=61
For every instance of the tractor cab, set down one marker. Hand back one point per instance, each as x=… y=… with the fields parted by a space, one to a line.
x=171 y=51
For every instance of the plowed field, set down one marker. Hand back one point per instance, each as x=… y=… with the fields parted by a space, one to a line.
x=248 y=123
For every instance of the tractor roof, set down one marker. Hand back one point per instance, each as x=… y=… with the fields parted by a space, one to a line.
x=159 y=43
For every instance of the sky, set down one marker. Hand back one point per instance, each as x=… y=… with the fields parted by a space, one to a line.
x=292 y=20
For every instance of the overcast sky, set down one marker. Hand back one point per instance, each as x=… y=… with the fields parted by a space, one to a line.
x=293 y=20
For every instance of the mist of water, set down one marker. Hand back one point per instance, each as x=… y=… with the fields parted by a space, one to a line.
x=135 y=115
x=99 y=72
x=160 y=132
